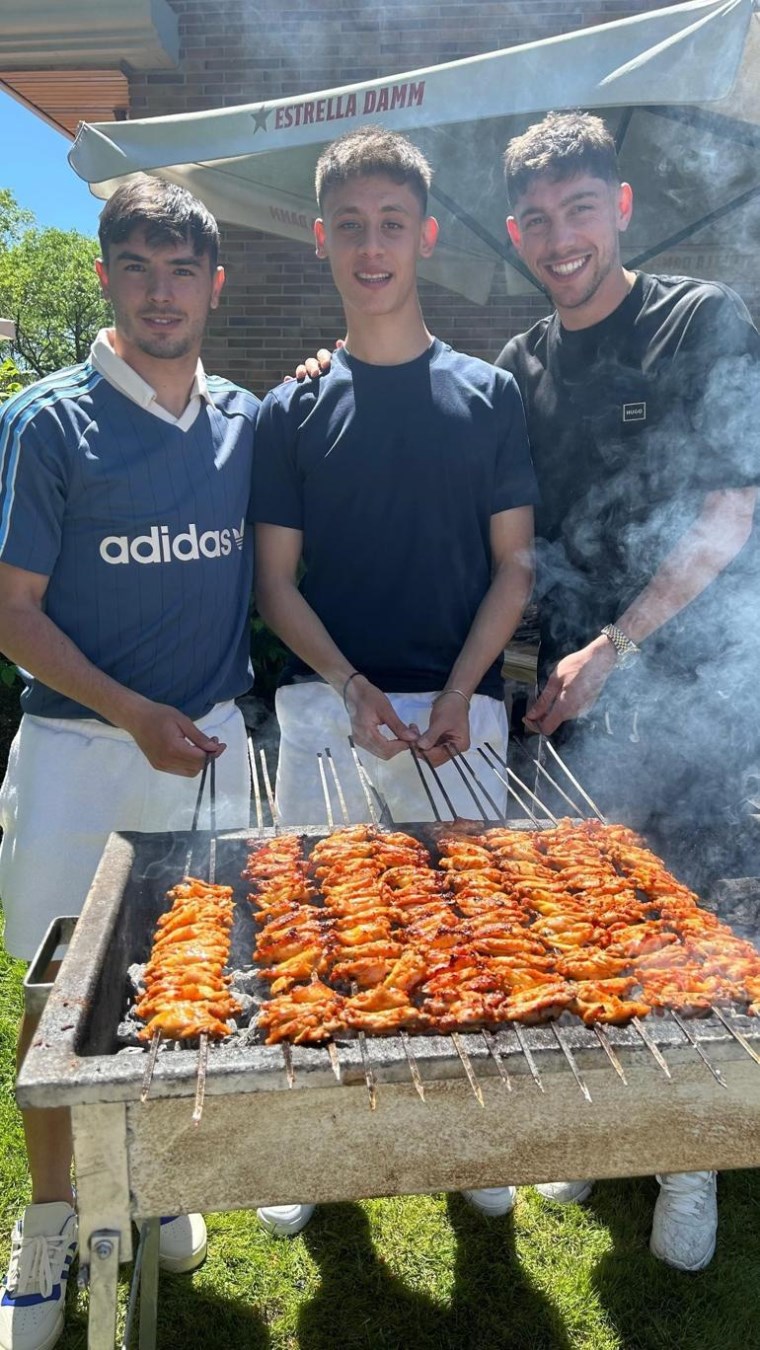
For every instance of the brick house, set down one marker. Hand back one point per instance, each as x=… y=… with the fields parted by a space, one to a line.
x=102 y=59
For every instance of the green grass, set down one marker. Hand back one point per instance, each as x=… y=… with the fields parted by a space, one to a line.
x=425 y=1273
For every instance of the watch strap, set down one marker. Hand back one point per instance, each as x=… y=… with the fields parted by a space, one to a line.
x=623 y=645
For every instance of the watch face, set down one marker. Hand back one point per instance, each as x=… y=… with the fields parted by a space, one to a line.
x=627 y=658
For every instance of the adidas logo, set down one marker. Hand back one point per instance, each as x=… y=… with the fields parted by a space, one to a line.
x=158 y=546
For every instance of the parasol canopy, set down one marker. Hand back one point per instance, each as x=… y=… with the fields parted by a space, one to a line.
x=679 y=88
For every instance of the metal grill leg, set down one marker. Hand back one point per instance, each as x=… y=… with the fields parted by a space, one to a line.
x=149 y=1285
x=104 y=1279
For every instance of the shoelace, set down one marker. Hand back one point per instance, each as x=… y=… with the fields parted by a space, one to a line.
x=33 y=1264
x=686 y=1204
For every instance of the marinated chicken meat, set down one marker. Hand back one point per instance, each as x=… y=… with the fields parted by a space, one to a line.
x=511 y=925
x=186 y=992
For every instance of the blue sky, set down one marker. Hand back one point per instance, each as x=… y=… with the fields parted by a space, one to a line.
x=35 y=168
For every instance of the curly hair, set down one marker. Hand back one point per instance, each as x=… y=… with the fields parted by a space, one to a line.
x=561 y=146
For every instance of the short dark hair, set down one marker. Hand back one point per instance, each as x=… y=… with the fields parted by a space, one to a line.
x=168 y=215
x=561 y=146
x=373 y=150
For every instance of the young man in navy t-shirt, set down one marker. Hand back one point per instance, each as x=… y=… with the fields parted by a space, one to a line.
x=403 y=485
x=126 y=562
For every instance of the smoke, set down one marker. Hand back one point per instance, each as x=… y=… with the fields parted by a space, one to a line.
x=672 y=746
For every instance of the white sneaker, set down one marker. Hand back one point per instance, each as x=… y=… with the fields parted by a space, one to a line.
x=43 y=1246
x=685 y=1222
x=493 y=1201
x=284 y=1220
x=182 y=1243
x=565 y=1192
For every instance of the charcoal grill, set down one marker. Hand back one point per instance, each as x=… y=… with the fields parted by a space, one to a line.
x=521 y=1105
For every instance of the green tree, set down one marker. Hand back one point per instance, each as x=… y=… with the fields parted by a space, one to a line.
x=11 y=379
x=13 y=218
x=49 y=288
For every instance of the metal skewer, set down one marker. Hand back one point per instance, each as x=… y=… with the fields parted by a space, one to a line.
x=649 y=1043
x=513 y=777
x=490 y=1045
x=338 y=788
x=212 y=821
x=506 y=783
x=454 y=758
x=519 y=1033
x=603 y=1040
x=199 y=798
x=691 y=1038
x=439 y=782
x=737 y=1035
x=334 y=1061
x=288 y=1058
x=200 y=1087
x=545 y=741
x=577 y=811
x=413 y=1065
x=467 y=1065
x=325 y=791
x=368 y=787
x=256 y=787
x=570 y=1057
x=436 y=813
x=498 y=813
x=369 y=1076
x=150 y=1066
x=268 y=789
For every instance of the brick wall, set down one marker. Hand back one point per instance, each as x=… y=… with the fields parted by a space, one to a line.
x=279 y=301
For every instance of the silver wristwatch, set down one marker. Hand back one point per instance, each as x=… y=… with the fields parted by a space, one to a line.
x=627 y=651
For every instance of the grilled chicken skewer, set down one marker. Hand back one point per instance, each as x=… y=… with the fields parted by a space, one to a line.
x=512 y=926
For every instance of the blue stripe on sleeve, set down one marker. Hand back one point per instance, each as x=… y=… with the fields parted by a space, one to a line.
x=45 y=394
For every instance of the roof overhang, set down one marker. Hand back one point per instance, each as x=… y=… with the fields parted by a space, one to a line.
x=66 y=62
x=64 y=98
x=143 y=34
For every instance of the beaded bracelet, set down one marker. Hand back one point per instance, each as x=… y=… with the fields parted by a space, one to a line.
x=351 y=677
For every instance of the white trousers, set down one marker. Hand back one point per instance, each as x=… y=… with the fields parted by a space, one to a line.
x=312 y=718
x=69 y=783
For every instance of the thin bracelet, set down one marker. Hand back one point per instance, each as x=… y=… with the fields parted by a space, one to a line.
x=351 y=677
x=460 y=692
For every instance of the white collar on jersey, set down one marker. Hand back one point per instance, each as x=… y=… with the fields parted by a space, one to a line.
x=126 y=379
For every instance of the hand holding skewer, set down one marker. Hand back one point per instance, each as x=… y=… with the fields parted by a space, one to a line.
x=573 y=686
x=370 y=711
x=448 y=731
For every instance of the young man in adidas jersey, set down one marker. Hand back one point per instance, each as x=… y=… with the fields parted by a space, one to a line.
x=126 y=562
x=641 y=401
x=404 y=484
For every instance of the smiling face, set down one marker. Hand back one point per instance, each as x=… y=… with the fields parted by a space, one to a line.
x=161 y=296
x=373 y=232
x=568 y=234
